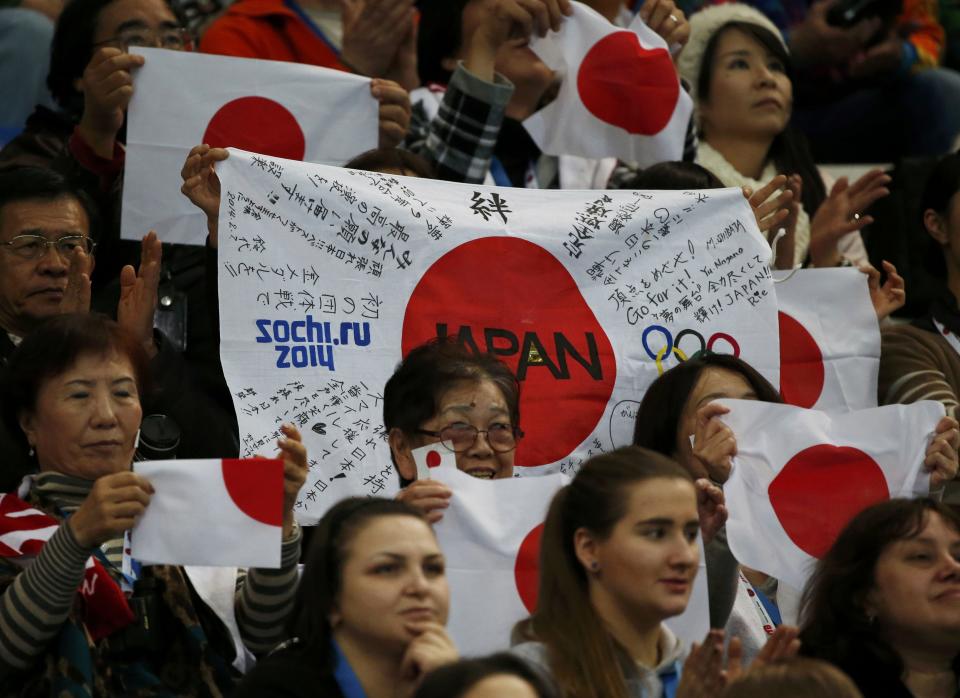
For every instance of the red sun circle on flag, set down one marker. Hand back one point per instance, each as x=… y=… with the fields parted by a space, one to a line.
x=514 y=299
x=820 y=489
x=801 y=364
x=248 y=480
x=626 y=85
x=526 y=570
x=433 y=459
x=259 y=125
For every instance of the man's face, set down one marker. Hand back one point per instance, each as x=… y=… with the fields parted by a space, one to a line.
x=32 y=289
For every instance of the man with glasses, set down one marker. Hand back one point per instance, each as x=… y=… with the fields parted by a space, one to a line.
x=47 y=246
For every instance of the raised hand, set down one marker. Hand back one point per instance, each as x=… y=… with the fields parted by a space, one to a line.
x=429 y=496
x=714 y=444
x=114 y=504
x=666 y=19
x=373 y=30
x=394 y=111
x=889 y=297
x=138 y=293
x=202 y=185
x=712 y=508
x=294 y=455
x=107 y=86
x=941 y=457
x=76 y=296
x=841 y=213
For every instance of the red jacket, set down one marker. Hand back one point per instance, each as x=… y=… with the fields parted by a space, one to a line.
x=267 y=29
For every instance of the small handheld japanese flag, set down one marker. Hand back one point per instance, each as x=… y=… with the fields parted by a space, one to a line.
x=432 y=456
x=620 y=96
x=829 y=340
x=211 y=512
x=799 y=476
x=182 y=99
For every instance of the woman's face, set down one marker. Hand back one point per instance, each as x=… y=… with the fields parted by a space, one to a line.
x=750 y=93
x=479 y=404
x=393 y=581
x=86 y=419
x=713 y=384
x=645 y=568
x=916 y=594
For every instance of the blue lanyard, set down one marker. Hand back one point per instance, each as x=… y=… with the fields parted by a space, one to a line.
x=670 y=679
x=769 y=606
x=345 y=677
x=502 y=179
x=311 y=25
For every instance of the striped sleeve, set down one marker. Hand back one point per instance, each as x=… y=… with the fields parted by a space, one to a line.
x=35 y=605
x=265 y=599
x=913 y=370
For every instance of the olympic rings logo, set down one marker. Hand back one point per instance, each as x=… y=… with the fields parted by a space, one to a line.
x=673 y=344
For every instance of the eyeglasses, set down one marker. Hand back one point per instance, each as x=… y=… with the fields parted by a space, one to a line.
x=459 y=438
x=172 y=38
x=35 y=246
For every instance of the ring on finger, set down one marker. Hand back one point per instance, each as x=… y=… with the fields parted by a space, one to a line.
x=675 y=19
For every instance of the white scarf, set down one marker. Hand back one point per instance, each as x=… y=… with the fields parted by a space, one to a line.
x=711 y=159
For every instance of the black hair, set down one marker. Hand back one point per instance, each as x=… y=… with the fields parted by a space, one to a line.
x=942 y=184
x=658 y=417
x=789 y=150
x=393 y=159
x=456 y=679
x=31 y=183
x=319 y=590
x=72 y=48
x=439 y=36
x=676 y=176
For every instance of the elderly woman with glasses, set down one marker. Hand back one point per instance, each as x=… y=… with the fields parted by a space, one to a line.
x=468 y=402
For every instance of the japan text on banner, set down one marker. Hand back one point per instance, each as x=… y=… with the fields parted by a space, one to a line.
x=800 y=475
x=211 y=512
x=490 y=536
x=829 y=340
x=328 y=276
x=182 y=99
x=620 y=95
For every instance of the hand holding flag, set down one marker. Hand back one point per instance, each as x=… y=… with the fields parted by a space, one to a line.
x=114 y=504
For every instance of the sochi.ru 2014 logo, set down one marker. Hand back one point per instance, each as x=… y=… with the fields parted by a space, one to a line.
x=306 y=342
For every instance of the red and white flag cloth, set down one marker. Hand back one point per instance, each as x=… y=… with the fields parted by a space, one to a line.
x=490 y=536
x=620 y=96
x=829 y=340
x=182 y=99
x=799 y=476
x=211 y=512
x=432 y=456
x=23 y=533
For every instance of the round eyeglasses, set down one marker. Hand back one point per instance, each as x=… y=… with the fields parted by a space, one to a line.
x=459 y=438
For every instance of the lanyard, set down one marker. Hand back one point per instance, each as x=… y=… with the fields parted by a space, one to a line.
x=311 y=25
x=762 y=605
x=129 y=571
x=947 y=335
x=502 y=179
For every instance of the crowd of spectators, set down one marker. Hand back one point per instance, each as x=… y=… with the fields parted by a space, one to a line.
x=781 y=90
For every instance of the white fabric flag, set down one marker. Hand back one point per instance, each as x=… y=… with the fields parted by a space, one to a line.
x=829 y=340
x=328 y=276
x=490 y=536
x=211 y=512
x=800 y=475
x=620 y=95
x=182 y=99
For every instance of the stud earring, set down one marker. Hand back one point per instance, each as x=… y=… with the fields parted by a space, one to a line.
x=594 y=566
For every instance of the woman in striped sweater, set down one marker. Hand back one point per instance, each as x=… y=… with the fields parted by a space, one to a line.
x=78 y=616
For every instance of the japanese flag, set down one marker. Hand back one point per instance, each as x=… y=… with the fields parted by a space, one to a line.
x=211 y=512
x=490 y=536
x=800 y=475
x=182 y=99
x=829 y=340
x=620 y=96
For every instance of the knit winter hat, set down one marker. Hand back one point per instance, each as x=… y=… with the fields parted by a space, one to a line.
x=707 y=22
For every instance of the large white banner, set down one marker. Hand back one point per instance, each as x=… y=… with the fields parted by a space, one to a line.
x=182 y=99
x=327 y=276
